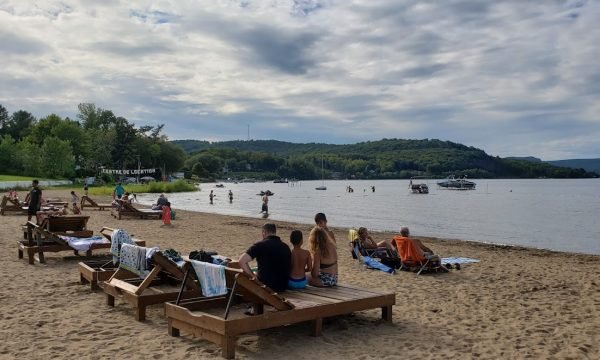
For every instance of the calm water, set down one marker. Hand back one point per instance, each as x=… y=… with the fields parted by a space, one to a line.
x=543 y=213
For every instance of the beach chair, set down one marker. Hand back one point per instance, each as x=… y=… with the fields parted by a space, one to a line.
x=413 y=259
x=94 y=272
x=383 y=255
x=160 y=285
x=126 y=209
x=11 y=205
x=222 y=319
x=57 y=234
x=86 y=201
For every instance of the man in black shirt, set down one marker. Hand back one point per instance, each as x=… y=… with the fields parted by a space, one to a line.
x=273 y=258
x=35 y=200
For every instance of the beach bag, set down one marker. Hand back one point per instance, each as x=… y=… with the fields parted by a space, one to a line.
x=201 y=255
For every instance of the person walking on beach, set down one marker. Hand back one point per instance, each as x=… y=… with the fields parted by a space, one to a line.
x=230 y=197
x=265 y=204
x=85 y=189
x=34 y=199
x=211 y=197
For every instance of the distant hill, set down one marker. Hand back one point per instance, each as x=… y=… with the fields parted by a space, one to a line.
x=526 y=158
x=382 y=159
x=585 y=164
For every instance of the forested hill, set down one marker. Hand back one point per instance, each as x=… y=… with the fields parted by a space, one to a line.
x=387 y=158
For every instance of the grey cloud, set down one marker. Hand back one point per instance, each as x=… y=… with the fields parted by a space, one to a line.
x=14 y=44
x=131 y=50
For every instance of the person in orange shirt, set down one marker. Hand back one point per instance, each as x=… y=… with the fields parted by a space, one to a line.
x=411 y=249
x=166 y=213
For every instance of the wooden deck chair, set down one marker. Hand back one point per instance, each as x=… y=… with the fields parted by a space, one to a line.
x=45 y=237
x=11 y=205
x=222 y=319
x=86 y=201
x=161 y=285
x=94 y=272
x=126 y=209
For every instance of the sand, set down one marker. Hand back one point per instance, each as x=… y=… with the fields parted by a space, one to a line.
x=515 y=303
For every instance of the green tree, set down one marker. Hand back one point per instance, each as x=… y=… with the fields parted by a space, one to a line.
x=20 y=124
x=57 y=158
x=3 y=121
x=8 y=155
x=30 y=158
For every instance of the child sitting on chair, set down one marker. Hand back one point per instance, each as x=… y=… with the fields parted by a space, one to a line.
x=301 y=262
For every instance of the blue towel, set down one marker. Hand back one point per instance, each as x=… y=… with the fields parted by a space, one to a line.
x=117 y=239
x=458 y=260
x=211 y=277
x=135 y=259
x=372 y=263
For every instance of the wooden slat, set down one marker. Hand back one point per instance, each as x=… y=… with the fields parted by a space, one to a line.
x=123 y=285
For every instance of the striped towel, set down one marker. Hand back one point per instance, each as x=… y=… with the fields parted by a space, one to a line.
x=134 y=258
x=118 y=238
x=458 y=260
x=211 y=277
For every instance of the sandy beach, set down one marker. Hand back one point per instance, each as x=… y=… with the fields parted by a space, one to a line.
x=515 y=303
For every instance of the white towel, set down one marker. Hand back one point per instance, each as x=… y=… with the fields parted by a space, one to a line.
x=211 y=277
x=83 y=244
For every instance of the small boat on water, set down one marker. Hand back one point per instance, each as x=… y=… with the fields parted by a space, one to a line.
x=220 y=185
x=418 y=188
x=268 y=193
x=452 y=183
x=280 y=181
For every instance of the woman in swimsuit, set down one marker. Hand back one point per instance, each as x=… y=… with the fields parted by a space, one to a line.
x=325 y=270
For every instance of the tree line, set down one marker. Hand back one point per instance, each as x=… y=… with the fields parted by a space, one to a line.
x=56 y=147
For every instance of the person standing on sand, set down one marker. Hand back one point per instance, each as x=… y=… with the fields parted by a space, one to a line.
x=265 y=204
x=118 y=191
x=34 y=199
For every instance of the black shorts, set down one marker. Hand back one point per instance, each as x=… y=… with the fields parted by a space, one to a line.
x=265 y=208
x=32 y=210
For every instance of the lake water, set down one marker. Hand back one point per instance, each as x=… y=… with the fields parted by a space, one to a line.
x=557 y=214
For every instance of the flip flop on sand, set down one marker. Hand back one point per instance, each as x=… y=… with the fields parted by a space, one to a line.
x=457 y=266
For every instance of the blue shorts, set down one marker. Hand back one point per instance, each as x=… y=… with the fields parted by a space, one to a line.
x=297 y=283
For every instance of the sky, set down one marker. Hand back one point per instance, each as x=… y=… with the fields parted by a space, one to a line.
x=514 y=78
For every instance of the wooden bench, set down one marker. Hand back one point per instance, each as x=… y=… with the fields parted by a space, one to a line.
x=94 y=272
x=126 y=209
x=161 y=285
x=86 y=201
x=11 y=205
x=222 y=319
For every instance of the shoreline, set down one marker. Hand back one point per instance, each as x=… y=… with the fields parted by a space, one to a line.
x=516 y=302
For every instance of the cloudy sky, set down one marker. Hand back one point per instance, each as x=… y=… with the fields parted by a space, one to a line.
x=514 y=78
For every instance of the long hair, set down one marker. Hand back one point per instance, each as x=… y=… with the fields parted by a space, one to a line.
x=318 y=241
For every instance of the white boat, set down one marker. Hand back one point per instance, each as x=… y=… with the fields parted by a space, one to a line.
x=452 y=183
x=322 y=187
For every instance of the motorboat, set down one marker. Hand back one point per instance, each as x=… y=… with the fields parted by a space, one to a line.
x=453 y=183
x=280 y=181
x=268 y=193
x=419 y=188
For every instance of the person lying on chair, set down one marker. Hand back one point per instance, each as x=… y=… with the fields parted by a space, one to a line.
x=367 y=241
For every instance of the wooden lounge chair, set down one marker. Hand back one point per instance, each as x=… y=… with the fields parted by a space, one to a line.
x=94 y=272
x=222 y=319
x=161 y=285
x=86 y=201
x=46 y=237
x=11 y=205
x=126 y=209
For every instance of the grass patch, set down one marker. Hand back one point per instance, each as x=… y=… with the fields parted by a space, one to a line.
x=17 y=178
x=153 y=187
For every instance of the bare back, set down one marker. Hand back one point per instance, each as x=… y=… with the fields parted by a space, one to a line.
x=301 y=263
